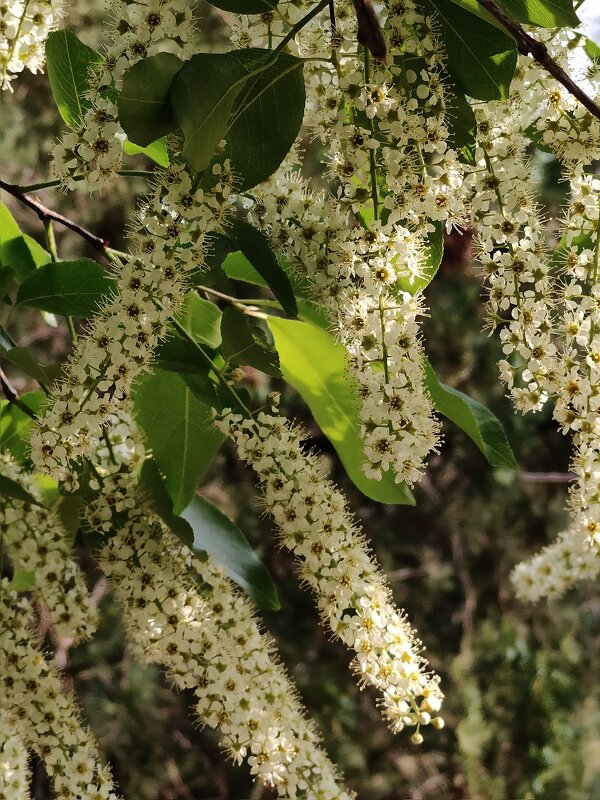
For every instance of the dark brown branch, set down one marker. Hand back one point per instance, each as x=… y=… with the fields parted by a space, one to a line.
x=12 y=395
x=45 y=214
x=528 y=46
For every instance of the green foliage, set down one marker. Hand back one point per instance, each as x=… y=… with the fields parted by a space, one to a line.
x=205 y=529
x=244 y=343
x=72 y=288
x=174 y=421
x=475 y=419
x=19 y=252
x=315 y=365
x=69 y=62
x=157 y=151
x=10 y=488
x=145 y=111
x=430 y=263
x=16 y=424
x=254 y=246
x=481 y=59
x=201 y=319
x=544 y=13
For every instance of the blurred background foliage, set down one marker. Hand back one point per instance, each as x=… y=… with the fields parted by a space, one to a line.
x=522 y=696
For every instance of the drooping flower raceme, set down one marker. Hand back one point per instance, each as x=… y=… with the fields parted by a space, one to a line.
x=183 y=613
x=559 y=566
x=140 y=28
x=24 y=27
x=168 y=244
x=352 y=594
x=14 y=761
x=384 y=132
x=36 y=542
x=46 y=718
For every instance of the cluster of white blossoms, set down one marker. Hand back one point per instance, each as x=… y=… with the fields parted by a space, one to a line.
x=556 y=568
x=363 y=247
x=24 y=27
x=140 y=28
x=168 y=244
x=352 y=595
x=14 y=761
x=182 y=612
x=36 y=542
x=547 y=307
x=45 y=718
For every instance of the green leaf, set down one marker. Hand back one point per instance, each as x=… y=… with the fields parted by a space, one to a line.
x=545 y=13
x=237 y=267
x=462 y=125
x=17 y=250
x=69 y=62
x=271 y=106
x=202 y=97
x=205 y=529
x=245 y=6
x=201 y=319
x=216 y=534
x=178 y=430
x=315 y=365
x=71 y=288
x=474 y=419
x=255 y=247
x=16 y=425
x=22 y=357
x=242 y=343
x=22 y=580
x=592 y=49
x=12 y=489
x=157 y=151
x=145 y=111
x=481 y=58
x=432 y=258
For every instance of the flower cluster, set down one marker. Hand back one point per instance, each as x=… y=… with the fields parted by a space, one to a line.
x=37 y=543
x=24 y=27
x=46 y=719
x=182 y=612
x=557 y=567
x=365 y=246
x=353 y=597
x=141 y=28
x=168 y=244
x=14 y=761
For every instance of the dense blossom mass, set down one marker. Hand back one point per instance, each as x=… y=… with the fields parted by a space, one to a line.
x=24 y=27
x=352 y=594
x=363 y=241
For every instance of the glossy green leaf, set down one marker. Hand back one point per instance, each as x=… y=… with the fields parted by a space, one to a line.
x=205 y=529
x=145 y=111
x=255 y=247
x=243 y=344
x=432 y=258
x=157 y=151
x=591 y=48
x=201 y=319
x=462 y=125
x=481 y=58
x=23 y=358
x=74 y=288
x=315 y=365
x=271 y=106
x=17 y=250
x=22 y=580
x=202 y=97
x=16 y=424
x=474 y=419
x=217 y=535
x=179 y=431
x=12 y=489
x=245 y=6
x=544 y=13
x=69 y=62
x=237 y=267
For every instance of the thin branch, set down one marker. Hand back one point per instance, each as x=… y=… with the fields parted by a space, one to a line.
x=12 y=395
x=547 y=477
x=45 y=214
x=528 y=46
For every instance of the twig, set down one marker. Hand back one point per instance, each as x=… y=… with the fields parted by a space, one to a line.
x=12 y=395
x=46 y=214
x=528 y=46
x=547 y=477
